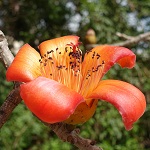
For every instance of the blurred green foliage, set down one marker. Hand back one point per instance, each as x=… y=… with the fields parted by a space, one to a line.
x=38 y=20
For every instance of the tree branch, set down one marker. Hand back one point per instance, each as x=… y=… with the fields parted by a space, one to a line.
x=5 y=54
x=13 y=98
x=62 y=130
x=9 y=105
x=67 y=134
x=133 y=39
x=130 y=40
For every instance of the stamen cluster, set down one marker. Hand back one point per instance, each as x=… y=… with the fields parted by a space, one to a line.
x=65 y=66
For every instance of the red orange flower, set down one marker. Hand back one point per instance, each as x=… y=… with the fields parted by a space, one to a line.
x=59 y=86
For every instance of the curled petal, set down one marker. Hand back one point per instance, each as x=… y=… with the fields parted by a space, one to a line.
x=109 y=55
x=25 y=66
x=59 y=43
x=49 y=100
x=129 y=100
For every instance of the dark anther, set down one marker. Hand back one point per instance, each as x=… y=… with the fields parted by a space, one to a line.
x=51 y=74
x=59 y=67
x=103 y=62
x=56 y=48
x=45 y=64
x=99 y=66
x=66 y=49
x=93 y=69
x=98 y=56
x=70 y=53
x=94 y=53
x=88 y=51
x=87 y=76
x=44 y=55
x=96 y=69
x=59 y=52
x=50 y=58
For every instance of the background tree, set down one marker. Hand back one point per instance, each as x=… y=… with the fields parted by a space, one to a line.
x=38 y=20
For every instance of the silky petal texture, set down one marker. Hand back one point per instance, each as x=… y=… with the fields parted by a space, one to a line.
x=49 y=100
x=60 y=43
x=110 y=55
x=25 y=66
x=129 y=100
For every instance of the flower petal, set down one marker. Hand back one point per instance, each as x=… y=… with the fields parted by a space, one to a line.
x=49 y=100
x=60 y=43
x=25 y=67
x=82 y=113
x=109 y=55
x=129 y=100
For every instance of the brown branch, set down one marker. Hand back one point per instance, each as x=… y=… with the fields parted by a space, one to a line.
x=62 y=130
x=130 y=40
x=124 y=36
x=13 y=98
x=9 y=105
x=67 y=134
x=133 y=40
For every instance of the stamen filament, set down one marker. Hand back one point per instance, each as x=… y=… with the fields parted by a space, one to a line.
x=66 y=67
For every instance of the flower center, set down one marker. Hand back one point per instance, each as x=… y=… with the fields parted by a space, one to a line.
x=63 y=65
x=66 y=67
